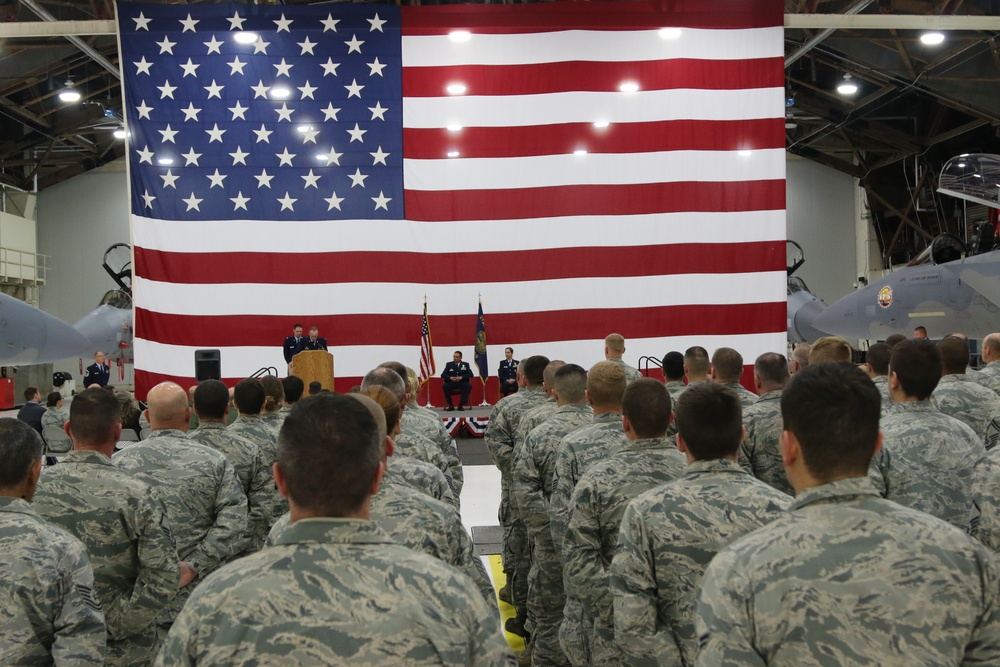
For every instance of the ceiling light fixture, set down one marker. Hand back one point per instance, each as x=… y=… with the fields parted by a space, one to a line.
x=280 y=93
x=932 y=38
x=69 y=93
x=119 y=133
x=847 y=86
x=245 y=37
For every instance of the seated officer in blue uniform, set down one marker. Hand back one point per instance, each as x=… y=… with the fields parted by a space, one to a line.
x=293 y=344
x=508 y=372
x=97 y=373
x=314 y=342
x=456 y=376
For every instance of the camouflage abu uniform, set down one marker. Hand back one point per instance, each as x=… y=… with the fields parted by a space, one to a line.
x=988 y=376
x=54 y=417
x=927 y=462
x=675 y=388
x=205 y=504
x=882 y=384
x=254 y=429
x=335 y=592
x=970 y=403
x=51 y=615
x=577 y=452
x=429 y=425
x=988 y=499
x=599 y=502
x=419 y=475
x=759 y=451
x=122 y=523
x=848 y=578
x=631 y=374
x=747 y=397
x=422 y=448
x=667 y=538
x=534 y=462
x=253 y=472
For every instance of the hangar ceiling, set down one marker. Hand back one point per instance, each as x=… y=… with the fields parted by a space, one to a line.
x=916 y=105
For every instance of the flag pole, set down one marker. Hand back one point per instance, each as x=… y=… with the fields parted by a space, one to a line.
x=482 y=323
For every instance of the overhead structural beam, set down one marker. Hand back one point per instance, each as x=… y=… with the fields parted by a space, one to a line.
x=42 y=13
x=821 y=35
x=27 y=29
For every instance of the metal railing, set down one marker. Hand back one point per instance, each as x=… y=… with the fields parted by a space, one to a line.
x=22 y=268
x=266 y=370
x=646 y=361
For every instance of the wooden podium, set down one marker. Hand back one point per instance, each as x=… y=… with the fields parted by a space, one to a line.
x=314 y=366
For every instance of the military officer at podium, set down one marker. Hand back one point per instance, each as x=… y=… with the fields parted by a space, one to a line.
x=97 y=373
x=293 y=344
x=314 y=342
x=456 y=376
x=507 y=372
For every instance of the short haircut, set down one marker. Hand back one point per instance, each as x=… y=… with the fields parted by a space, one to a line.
x=30 y=392
x=399 y=369
x=727 y=364
x=571 y=382
x=992 y=341
x=315 y=387
x=917 y=365
x=53 y=399
x=709 y=416
x=210 y=399
x=509 y=349
x=800 y=354
x=646 y=403
x=921 y=329
x=296 y=326
x=384 y=376
x=534 y=368
x=273 y=391
x=954 y=354
x=459 y=353
x=293 y=386
x=20 y=449
x=833 y=410
x=673 y=366
x=93 y=415
x=878 y=358
x=391 y=408
x=696 y=360
x=894 y=339
x=830 y=348
x=606 y=384
x=329 y=452
x=249 y=396
x=311 y=329
x=549 y=374
x=772 y=369
x=615 y=343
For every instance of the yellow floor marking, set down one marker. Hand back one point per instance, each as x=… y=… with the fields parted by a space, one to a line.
x=506 y=610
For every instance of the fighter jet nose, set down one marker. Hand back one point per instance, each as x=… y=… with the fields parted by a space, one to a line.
x=841 y=318
x=803 y=309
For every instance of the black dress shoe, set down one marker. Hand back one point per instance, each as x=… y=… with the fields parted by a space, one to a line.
x=461 y=408
x=449 y=408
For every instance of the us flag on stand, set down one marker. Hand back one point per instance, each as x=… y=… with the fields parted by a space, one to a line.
x=427 y=367
x=589 y=167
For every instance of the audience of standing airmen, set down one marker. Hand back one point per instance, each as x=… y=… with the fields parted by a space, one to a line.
x=644 y=522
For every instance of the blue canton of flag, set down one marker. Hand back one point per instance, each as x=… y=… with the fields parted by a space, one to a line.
x=235 y=114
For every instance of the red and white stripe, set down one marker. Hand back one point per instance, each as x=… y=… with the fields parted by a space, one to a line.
x=663 y=231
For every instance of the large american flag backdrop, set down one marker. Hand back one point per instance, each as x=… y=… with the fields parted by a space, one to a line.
x=585 y=167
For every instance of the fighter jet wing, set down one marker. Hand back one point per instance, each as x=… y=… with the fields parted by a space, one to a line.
x=31 y=336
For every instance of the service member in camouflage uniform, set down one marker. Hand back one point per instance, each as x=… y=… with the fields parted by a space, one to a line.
x=274 y=398
x=335 y=589
x=673 y=374
x=727 y=369
x=55 y=414
x=538 y=414
x=576 y=453
x=293 y=388
x=959 y=396
x=211 y=402
x=697 y=365
x=121 y=522
x=205 y=504
x=501 y=433
x=846 y=577
x=830 y=348
x=51 y=615
x=669 y=534
x=614 y=348
x=428 y=424
x=249 y=397
x=928 y=459
x=533 y=465
x=759 y=451
x=877 y=367
x=599 y=501
x=989 y=375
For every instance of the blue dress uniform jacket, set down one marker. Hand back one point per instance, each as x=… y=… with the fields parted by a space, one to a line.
x=318 y=344
x=507 y=372
x=98 y=374
x=293 y=346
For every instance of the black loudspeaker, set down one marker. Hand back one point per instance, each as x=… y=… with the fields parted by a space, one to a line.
x=207 y=365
